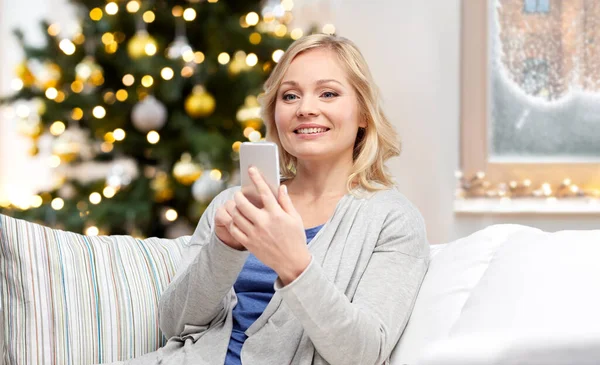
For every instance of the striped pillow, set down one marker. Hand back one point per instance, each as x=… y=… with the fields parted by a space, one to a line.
x=74 y=299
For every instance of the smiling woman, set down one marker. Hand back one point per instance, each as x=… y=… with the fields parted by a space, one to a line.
x=327 y=271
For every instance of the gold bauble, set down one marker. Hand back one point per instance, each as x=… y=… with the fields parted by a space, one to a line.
x=200 y=103
x=136 y=47
x=24 y=74
x=162 y=188
x=186 y=171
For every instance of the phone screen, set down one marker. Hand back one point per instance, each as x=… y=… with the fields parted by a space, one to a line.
x=265 y=157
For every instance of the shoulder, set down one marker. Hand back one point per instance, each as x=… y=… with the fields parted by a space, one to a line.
x=401 y=221
x=392 y=202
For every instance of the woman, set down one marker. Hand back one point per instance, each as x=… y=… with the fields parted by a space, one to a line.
x=250 y=289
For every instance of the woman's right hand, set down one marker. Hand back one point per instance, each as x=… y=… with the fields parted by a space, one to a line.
x=223 y=221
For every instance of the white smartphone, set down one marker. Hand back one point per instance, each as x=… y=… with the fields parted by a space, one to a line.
x=265 y=157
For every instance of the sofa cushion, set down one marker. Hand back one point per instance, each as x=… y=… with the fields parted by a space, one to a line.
x=540 y=289
x=75 y=299
x=452 y=275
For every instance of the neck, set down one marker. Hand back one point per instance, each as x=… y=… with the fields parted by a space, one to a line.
x=321 y=179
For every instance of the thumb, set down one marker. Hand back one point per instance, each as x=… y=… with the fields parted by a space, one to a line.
x=285 y=201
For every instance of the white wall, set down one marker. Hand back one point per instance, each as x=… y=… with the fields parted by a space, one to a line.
x=413 y=51
x=20 y=174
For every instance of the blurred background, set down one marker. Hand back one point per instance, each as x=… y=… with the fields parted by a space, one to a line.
x=124 y=117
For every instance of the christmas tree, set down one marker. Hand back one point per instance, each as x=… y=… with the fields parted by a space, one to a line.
x=141 y=113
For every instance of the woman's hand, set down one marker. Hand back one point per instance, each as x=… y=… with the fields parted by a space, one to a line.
x=274 y=233
x=222 y=223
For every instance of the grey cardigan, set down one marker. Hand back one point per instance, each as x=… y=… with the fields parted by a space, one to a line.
x=349 y=306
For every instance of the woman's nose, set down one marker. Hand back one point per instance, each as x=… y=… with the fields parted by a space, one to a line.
x=307 y=108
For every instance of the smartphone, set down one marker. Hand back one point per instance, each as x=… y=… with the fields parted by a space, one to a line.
x=265 y=157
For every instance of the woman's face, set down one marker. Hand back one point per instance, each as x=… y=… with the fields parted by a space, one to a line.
x=316 y=113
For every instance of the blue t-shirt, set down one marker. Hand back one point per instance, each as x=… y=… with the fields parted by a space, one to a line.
x=254 y=290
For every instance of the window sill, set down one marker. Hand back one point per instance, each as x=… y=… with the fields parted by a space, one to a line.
x=585 y=206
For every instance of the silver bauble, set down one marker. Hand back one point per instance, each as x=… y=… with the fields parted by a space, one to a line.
x=149 y=114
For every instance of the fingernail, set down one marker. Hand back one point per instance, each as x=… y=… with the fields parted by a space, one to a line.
x=285 y=189
x=252 y=170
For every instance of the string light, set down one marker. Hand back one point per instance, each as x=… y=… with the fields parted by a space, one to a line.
x=99 y=112
x=277 y=55
x=477 y=186
x=149 y=16
x=96 y=14
x=255 y=38
x=198 y=57
x=57 y=203
x=109 y=192
x=252 y=18
x=189 y=14
x=54 y=29
x=57 y=128
x=280 y=30
x=177 y=11
x=111 y=8
x=119 y=134
x=128 y=80
x=122 y=95
x=77 y=114
x=254 y=136
x=147 y=81
x=106 y=147
x=153 y=137
x=251 y=60
x=187 y=71
x=36 y=201
x=150 y=49
x=51 y=93
x=92 y=231
x=95 y=198
x=77 y=86
x=171 y=215
x=108 y=38
x=216 y=175
x=296 y=33
x=133 y=6
x=167 y=73
x=223 y=58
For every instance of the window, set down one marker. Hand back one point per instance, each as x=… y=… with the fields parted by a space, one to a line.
x=530 y=105
x=536 y=6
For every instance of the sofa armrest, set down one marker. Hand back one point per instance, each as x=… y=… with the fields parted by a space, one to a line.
x=515 y=348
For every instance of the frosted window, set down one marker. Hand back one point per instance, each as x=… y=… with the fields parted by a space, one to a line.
x=545 y=81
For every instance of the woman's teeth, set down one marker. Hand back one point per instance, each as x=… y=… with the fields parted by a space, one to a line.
x=311 y=130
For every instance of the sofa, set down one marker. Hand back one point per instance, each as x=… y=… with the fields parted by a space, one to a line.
x=508 y=294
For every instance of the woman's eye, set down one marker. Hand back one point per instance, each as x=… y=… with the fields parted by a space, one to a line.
x=329 y=94
x=288 y=97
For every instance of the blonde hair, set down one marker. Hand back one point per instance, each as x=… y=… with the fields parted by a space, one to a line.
x=373 y=146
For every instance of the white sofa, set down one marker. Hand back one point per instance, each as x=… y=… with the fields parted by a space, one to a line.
x=508 y=294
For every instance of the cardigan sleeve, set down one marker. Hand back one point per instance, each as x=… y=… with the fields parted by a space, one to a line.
x=365 y=330
x=206 y=275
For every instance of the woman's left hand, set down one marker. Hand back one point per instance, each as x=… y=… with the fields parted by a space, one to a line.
x=274 y=233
